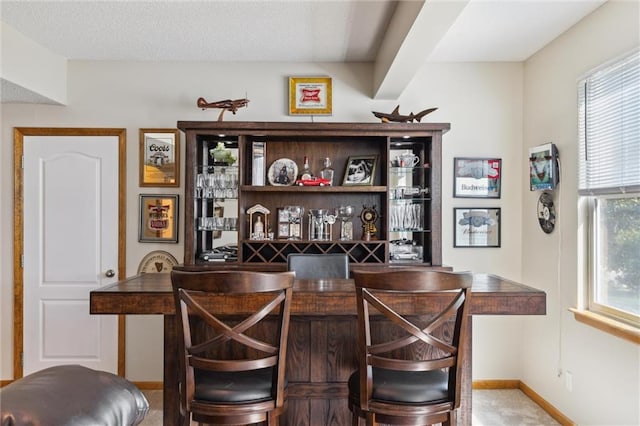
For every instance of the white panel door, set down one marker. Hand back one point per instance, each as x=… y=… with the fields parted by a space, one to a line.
x=70 y=243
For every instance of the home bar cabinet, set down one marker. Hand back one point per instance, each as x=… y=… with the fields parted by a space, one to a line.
x=396 y=213
x=322 y=334
x=396 y=222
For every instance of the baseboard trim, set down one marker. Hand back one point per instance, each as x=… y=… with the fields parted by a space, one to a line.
x=553 y=411
x=477 y=384
x=533 y=395
x=140 y=385
x=496 y=384
x=149 y=385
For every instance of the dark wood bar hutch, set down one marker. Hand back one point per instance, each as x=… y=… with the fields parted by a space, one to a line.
x=393 y=186
x=322 y=332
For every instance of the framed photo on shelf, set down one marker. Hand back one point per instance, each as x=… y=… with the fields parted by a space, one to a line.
x=310 y=96
x=160 y=157
x=476 y=227
x=360 y=170
x=158 y=218
x=477 y=177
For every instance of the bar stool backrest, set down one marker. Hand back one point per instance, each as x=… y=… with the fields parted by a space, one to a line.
x=232 y=362
x=318 y=266
x=409 y=372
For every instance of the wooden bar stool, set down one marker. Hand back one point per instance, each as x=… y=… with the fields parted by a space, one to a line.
x=233 y=366
x=410 y=376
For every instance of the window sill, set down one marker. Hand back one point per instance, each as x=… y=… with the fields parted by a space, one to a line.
x=608 y=325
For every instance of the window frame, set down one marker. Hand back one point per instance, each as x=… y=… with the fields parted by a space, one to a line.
x=593 y=264
x=594 y=312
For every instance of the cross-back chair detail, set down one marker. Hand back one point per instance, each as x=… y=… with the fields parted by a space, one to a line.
x=249 y=386
x=391 y=386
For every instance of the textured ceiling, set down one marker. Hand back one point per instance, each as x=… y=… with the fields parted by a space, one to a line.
x=204 y=30
x=397 y=36
x=269 y=30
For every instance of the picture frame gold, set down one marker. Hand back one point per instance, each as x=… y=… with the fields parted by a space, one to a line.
x=158 y=219
x=310 y=96
x=159 y=157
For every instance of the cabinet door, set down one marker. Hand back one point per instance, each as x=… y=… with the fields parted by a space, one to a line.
x=215 y=200
x=409 y=212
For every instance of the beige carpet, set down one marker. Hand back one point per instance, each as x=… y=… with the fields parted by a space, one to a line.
x=502 y=407
x=507 y=407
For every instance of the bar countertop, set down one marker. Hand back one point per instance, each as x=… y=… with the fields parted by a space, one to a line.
x=150 y=293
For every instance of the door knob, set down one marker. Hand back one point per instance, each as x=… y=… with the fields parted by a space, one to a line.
x=110 y=273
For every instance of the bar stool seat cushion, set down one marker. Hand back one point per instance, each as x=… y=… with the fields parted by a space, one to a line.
x=408 y=387
x=233 y=387
x=72 y=395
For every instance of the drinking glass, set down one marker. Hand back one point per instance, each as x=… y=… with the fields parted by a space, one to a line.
x=319 y=224
x=344 y=215
x=200 y=184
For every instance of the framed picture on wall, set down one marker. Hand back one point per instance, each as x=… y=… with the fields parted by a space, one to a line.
x=477 y=177
x=310 y=96
x=160 y=157
x=158 y=219
x=476 y=227
x=543 y=167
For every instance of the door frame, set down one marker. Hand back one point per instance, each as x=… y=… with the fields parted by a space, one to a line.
x=18 y=236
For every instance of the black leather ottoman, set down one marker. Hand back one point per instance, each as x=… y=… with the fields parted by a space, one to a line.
x=72 y=395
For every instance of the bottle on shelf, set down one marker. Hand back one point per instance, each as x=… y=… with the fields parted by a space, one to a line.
x=327 y=172
x=306 y=173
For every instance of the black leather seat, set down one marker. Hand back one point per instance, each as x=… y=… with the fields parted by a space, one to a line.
x=72 y=395
x=318 y=266
x=409 y=368
x=231 y=373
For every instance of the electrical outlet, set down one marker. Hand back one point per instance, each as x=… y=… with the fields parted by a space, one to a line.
x=568 y=380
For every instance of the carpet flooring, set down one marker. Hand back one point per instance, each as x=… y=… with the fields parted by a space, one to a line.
x=501 y=407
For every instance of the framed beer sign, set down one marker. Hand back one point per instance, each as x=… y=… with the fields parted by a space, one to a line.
x=158 y=219
x=310 y=96
x=160 y=157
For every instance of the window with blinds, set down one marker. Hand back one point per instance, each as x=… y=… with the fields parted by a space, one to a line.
x=609 y=183
x=609 y=123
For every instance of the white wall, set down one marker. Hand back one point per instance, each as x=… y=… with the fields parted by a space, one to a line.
x=605 y=369
x=484 y=104
x=22 y=62
x=482 y=101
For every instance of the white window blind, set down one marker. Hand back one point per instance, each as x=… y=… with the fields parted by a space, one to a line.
x=609 y=129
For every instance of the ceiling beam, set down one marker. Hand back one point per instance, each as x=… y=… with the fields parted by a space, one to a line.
x=30 y=73
x=415 y=30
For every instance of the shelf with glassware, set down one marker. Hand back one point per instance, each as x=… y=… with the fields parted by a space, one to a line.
x=409 y=202
x=215 y=200
x=306 y=214
x=265 y=190
x=304 y=220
